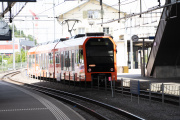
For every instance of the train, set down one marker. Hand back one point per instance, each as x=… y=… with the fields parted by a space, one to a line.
x=85 y=57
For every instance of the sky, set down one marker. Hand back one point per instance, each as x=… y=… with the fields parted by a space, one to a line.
x=44 y=28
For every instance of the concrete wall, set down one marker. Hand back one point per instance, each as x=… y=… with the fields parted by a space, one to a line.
x=167 y=72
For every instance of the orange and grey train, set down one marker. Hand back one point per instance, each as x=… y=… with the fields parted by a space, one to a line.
x=83 y=58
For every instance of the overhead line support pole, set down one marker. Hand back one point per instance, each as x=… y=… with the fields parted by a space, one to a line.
x=119 y=12
x=140 y=8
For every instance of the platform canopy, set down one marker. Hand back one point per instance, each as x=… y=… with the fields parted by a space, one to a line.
x=11 y=8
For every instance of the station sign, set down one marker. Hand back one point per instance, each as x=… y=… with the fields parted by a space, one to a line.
x=6 y=37
x=135 y=87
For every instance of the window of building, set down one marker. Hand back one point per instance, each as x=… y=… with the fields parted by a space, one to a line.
x=93 y=14
x=106 y=30
x=81 y=30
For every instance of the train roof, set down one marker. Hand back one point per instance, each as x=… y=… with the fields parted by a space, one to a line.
x=71 y=43
x=47 y=47
x=32 y=49
x=65 y=43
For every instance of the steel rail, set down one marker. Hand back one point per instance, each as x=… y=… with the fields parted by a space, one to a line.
x=93 y=113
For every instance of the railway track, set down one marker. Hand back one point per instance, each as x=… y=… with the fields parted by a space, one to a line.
x=94 y=108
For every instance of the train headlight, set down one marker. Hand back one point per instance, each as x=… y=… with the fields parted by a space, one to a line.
x=112 y=69
x=89 y=69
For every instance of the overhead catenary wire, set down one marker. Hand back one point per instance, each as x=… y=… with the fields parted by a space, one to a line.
x=136 y=14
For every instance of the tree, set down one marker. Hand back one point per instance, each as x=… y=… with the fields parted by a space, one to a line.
x=20 y=33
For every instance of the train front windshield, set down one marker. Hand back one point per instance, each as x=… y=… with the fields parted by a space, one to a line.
x=100 y=55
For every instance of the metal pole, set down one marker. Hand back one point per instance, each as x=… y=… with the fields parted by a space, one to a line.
x=143 y=60
x=85 y=82
x=150 y=91
x=131 y=45
x=179 y=96
x=40 y=76
x=105 y=84
x=2 y=61
x=91 y=82
x=74 y=80
x=80 y=81
x=53 y=76
x=98 y=83
x=54 y=20
x=60 y=77
x=46 y=76
x=112 y=87
x=43 y=76
x=20 y=57
x=14 y=67
x=140 y=8
x=69 y=79
x=64 y=78
x=114 y=84
x=49 y=77
x=119 y=12
x=122 y=85
x=25 y=53
x=162 y=93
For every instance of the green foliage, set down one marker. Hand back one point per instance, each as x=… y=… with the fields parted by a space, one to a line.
x=18 y=57
x=20 y=34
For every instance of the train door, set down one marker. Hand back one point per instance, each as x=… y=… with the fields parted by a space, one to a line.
x=62 y=65
x=67 y=64
x=72 y=64
x=57 y=65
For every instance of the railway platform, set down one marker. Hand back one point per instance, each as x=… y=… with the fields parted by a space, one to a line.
x=17 y=103
x=137 y=76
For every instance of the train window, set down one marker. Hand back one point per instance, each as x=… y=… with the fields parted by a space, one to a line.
x=41 y=61
x=57 y=58
x=62 y=60
x=50 y=58
x=30 y=62
x=77 y=56
x=67 y=60
x=72 y=61
x=81 y=59
x=33 y=59
x=37 y=60
x=46 y=60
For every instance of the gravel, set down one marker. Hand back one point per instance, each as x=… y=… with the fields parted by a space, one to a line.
x=145 y=109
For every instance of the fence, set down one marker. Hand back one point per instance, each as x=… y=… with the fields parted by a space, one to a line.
x=8 y=67
x=162 y=91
